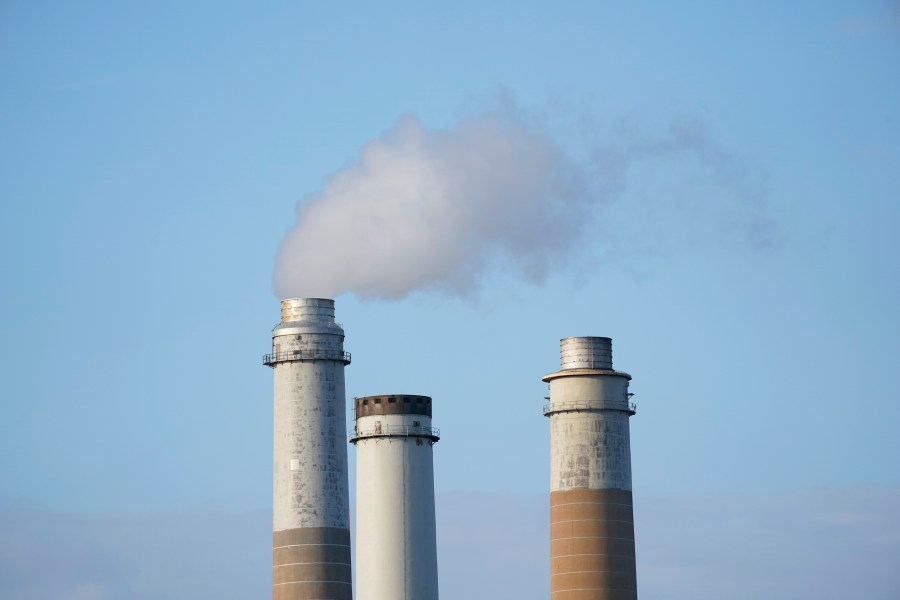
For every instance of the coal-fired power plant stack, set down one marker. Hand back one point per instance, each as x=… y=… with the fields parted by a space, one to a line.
x=591 y=516
x=396 y=550
x=311 y=540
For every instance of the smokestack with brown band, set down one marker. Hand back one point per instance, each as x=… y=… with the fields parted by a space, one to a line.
x=311 y=504
x=591 y=513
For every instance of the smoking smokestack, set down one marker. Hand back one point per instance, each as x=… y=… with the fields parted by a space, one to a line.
x=396 y=551
x=311 y=540
x=591 y=516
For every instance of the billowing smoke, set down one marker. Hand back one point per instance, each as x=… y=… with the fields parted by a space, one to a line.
x=432 y=209
x=426 y=209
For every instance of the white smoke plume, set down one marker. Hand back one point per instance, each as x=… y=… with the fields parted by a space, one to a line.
x=426 y=209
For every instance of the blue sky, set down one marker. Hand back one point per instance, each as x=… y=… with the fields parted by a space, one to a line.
x=152 y=158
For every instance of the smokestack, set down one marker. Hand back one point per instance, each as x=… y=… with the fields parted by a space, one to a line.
x=396 y=549
x=311 y=516
x=591 y=512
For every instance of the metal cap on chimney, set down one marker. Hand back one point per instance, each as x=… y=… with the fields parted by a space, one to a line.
x=307 y=309
x=585 y=353
x=307 y=315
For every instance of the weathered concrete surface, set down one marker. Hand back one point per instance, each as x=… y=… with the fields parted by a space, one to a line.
x=311 y=504
x=590 y=450
x=310 y=461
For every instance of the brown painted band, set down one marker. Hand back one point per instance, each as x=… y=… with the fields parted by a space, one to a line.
x=311 y=563
x=311 y=535
x=582 y=510
x=591 y=495
x=313 y=591
x=592 y=545
x=606 y=593
x=311 y=553
x=311 y=572
x=593 y=528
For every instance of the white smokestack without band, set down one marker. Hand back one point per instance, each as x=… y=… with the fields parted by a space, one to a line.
x=311 y=504
x=396 y=549
x=591 y=511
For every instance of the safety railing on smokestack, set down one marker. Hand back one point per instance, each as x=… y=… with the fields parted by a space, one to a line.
x=583 y=405
x=431 y=433
x=299 y=355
